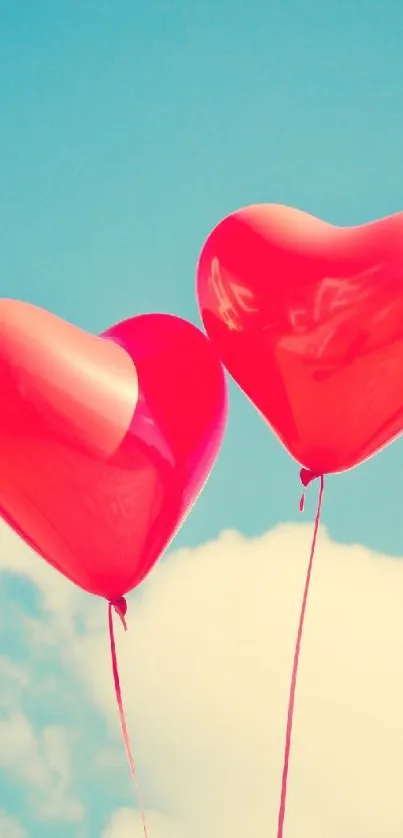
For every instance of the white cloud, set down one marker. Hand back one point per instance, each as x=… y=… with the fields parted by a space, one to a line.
x=205 y=671
x=59 y=595
x=127 y=824
x=9 y=828
x=14 y=679
x=42 y=762
x=40 y=759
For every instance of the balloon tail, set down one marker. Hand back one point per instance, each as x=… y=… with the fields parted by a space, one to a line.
x=306 y=478
x=120 y=606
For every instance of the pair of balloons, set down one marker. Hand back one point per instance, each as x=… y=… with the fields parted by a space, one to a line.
x=106 y=442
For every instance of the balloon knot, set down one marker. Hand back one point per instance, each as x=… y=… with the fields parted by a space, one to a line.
x=120 y=606
x=306 y=477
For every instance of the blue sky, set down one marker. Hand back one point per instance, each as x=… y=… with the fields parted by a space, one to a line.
x=128 y=129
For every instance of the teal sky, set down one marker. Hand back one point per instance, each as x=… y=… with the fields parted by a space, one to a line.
x=128 y=129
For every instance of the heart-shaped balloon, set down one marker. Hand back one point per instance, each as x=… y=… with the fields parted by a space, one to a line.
x=308 y=319
x=105 y=442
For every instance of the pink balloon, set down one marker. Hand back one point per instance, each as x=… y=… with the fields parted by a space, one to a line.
x=308 y=319
x=105 y=442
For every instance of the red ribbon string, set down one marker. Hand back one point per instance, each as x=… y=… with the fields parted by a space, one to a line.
x=120 y=606
x=306 y=478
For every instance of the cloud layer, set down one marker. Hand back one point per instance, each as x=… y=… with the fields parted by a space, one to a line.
x=205 y=671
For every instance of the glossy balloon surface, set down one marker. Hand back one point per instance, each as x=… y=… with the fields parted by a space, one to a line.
x=105 y=442
x=308 y=319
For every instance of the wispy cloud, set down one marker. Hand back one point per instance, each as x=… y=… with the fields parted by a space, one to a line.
x=9 y=828
x=41 y=761
x=205 y=671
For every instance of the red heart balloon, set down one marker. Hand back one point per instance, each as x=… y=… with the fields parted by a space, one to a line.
x=308 y=319
x=105 y=442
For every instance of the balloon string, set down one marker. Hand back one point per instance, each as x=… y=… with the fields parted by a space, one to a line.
x=306 y=478
x=120 y=606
